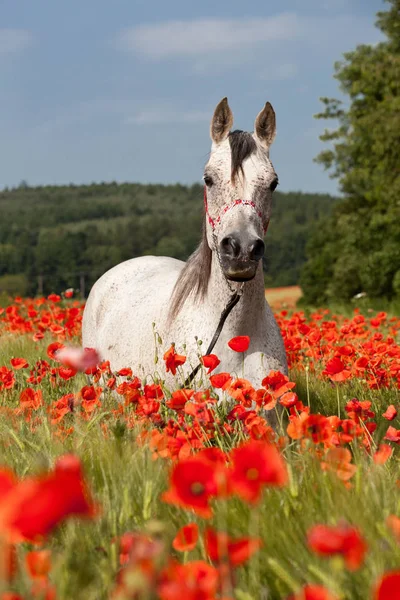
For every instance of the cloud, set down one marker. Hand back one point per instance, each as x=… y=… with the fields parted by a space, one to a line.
x=161 y=115
x=14 y=40
x=204 y=36
x=235 y=41
x=280 y=72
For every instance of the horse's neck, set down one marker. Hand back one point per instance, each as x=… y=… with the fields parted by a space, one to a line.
x=249 y=309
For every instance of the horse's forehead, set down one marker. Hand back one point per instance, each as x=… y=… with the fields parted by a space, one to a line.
x=256 y=167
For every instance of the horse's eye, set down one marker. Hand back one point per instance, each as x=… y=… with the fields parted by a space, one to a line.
x=273 y=185
x=208 y=180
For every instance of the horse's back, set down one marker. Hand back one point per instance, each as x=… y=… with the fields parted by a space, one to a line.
x=123 y=304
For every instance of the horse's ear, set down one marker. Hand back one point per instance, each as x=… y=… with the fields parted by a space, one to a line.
x=265 y=126
x=222 y=122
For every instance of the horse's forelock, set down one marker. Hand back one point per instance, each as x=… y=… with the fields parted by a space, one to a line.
x=242 y=146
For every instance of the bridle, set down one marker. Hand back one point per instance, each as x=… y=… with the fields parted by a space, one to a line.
x=236 y=294
x=214 y=222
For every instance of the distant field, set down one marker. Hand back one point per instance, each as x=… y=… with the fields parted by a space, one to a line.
x=283 y=296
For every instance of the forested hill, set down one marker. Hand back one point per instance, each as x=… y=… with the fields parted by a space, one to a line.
x=56 y=237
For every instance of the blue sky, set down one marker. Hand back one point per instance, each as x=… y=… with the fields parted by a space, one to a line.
x=101 y=90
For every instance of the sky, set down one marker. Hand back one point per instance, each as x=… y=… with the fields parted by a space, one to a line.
x=124 y=90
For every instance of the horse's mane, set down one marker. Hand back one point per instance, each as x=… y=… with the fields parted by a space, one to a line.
x=195 y=275
x=193 y=278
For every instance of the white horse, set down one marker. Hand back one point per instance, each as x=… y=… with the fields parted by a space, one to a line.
x=185 y=301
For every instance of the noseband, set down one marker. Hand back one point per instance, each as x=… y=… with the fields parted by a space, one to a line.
x=213 y=223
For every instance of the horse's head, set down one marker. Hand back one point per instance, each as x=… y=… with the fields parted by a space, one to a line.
x=239 y=180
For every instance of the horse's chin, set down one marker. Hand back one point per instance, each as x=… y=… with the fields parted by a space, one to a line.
x=241 y=274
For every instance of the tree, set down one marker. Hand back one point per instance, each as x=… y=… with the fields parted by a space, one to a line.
x=360 y=250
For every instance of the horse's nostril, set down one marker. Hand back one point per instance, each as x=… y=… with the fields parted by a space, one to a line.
x=230 y=246
x=256 y=250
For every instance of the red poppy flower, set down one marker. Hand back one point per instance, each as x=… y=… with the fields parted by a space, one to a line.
x=19 y=363
x=186 y=538
x=278 y=383
x=221 y=548
x=66 y=373
x=265 y=400
x=316 y=427
x=361 y=364
x=125 y=372
x=153 y=391
x=211 y=362
x=335 y=370
x=383 y=453
x=393 y=435
x=34 y=506
x=90 y=398
x=393 y=524
x=126 y=543
x=173 y=360
x=193 y=581
x=179 y=399
x=194 y=482
x=242 y=391
x=255 y=464
x=30 y=398
x=390 y=413
x=359 y=410
x=240 y=343
x=38 y=563
x=313 y=592
x=203 y=397
x=69 y=293
x=289 y=399
x=338 y=460
x=54 y=298
x=53 y=348
x=342 y=539
x=220 y=380
x=388 y=587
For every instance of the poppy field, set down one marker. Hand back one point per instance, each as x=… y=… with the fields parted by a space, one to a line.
x=117 y=488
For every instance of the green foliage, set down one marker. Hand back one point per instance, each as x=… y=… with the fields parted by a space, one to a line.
x=364 y=230
x=55 y=235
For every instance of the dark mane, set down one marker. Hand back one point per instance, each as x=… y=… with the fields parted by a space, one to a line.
x=194 y=277
x=242 y=146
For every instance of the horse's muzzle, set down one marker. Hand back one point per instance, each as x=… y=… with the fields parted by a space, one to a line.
x=240 y=256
